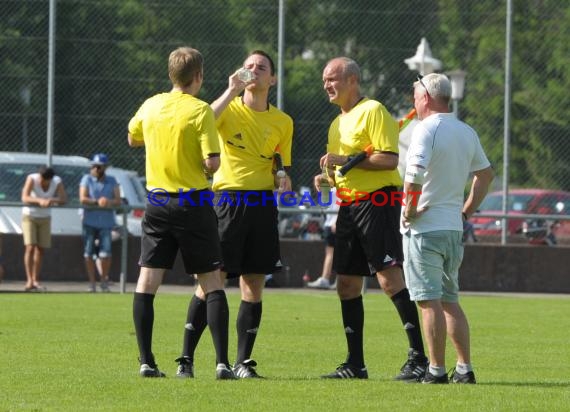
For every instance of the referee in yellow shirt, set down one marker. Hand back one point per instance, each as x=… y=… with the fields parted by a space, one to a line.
x=179 y=133
x=368 y=239
x=250 y=130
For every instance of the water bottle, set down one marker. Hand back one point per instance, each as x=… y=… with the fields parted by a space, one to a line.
x=245 y=75
x=325 y=191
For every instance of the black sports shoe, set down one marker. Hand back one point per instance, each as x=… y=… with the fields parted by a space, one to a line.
x=468 y=377
x=347 y=371
x=147 y=371
x=246 y=369
x=429 y=378
x=223 y=372
x=185 y=367
x=415 y=367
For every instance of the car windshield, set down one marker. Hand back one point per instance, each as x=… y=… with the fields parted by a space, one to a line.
x=517 y=203
x=13 y=176
x=139 y=188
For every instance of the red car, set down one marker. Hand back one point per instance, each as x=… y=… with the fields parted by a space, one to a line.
x=523 y=201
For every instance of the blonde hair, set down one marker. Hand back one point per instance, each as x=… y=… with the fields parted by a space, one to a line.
x=184 y=64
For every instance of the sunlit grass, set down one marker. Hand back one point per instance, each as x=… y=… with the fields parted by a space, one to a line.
x=78 y=352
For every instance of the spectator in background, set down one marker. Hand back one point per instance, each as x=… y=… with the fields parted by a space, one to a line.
x=102 y=192
x=324 y=281
x=41 y=191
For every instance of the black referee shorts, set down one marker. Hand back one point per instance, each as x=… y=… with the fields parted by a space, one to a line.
x=248 y=232
x=329 y=236
x=178 y=225
x=368 y=237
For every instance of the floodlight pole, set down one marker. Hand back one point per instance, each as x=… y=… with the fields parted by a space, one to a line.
x=51 y=76
x=507 y=119
x=280 y=54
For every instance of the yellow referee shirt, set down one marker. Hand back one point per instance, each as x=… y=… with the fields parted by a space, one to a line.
x=179 y=132
x=248 y=140
x=367 y=123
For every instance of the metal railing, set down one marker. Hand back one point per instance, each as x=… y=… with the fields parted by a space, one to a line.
x=122 y=210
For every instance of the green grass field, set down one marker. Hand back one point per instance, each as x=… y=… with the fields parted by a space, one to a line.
x=78 y=352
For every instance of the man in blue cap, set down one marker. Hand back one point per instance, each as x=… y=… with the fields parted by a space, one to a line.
x=101 y=193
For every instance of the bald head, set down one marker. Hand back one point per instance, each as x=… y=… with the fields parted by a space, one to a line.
x=346 y=66
x=341 y=81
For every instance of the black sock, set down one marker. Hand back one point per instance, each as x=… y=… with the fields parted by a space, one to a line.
x=353 y=321
x=143 y=317
x=409 y=315
x=196 y=322
x=218 y=318
x=247 y=325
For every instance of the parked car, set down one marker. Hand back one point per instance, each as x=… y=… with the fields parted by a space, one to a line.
x=301 y=220
x=133 y=194
x=523 y=201
x=15 y=166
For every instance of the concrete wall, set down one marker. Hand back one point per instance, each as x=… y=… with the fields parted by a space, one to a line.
x=486 y=267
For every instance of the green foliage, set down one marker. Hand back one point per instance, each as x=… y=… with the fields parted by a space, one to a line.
x=78 y=352
x=474 y=39
x=111 y=55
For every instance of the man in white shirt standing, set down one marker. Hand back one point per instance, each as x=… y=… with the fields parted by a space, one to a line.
x=41 y=191
x=443 y=153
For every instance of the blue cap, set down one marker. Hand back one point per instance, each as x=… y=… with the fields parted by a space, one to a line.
x=100 y=159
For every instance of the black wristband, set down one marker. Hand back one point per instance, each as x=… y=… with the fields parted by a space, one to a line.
x=464 y=216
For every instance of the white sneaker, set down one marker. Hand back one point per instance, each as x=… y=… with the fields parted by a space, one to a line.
x=319 y=283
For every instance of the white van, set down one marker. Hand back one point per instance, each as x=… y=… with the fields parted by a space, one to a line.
x=15 y=167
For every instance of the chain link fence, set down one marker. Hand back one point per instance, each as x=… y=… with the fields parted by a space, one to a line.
x=111 y=55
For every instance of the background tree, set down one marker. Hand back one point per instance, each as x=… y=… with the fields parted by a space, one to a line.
x=111 y=55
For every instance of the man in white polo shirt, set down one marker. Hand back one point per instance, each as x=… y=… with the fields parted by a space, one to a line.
x=443 y=153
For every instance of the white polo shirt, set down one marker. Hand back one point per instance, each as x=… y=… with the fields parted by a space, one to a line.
x=449 y=150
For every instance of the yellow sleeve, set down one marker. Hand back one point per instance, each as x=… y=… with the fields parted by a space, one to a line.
x=384 y=131
x=209 y=142
x=286 y=143
x=136 y=126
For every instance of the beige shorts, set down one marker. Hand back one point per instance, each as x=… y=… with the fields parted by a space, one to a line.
x=37 y=231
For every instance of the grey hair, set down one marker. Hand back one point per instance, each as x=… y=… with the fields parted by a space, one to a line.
x=438 y=86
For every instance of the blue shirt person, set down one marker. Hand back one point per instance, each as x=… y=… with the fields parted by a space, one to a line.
x=101 y=192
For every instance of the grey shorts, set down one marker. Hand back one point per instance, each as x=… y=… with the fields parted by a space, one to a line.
x=431 y=264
